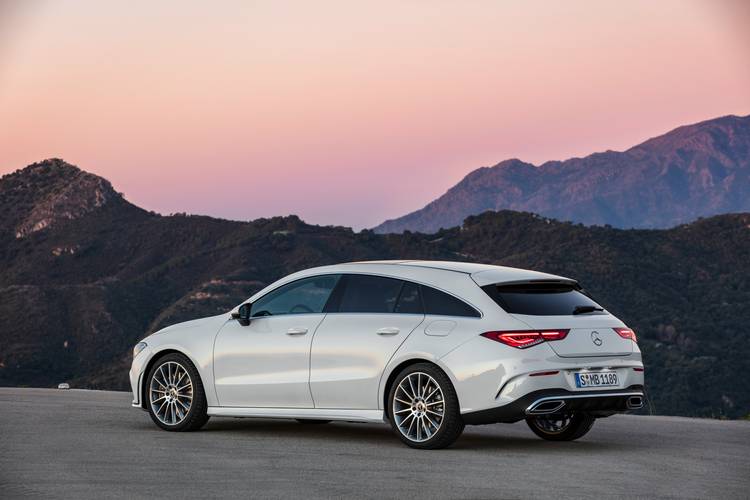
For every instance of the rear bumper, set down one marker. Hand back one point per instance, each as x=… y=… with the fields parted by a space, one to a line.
x=547 y=401
x=488 y=374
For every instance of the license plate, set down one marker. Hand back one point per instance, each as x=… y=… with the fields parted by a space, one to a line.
x=596 y=379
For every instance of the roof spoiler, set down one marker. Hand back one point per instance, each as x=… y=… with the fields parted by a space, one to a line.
x=517 y=276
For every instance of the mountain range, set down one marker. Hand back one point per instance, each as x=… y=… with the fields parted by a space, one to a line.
x=693 y=171
x=84 y=275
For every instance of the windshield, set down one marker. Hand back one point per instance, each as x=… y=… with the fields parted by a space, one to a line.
x=543 y=299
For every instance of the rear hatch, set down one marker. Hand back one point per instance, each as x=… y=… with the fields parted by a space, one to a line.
x=548 y=305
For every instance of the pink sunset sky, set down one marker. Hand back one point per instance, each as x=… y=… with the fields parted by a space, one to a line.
x=350 y=112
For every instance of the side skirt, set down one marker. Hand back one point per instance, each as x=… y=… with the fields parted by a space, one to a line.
x=377 y=416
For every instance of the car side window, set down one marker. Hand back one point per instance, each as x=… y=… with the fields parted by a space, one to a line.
x=410 y=301
x=440 y=303
x=362 y=293
x=305 y=296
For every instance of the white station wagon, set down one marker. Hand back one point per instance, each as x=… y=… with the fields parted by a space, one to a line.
x=427 y=347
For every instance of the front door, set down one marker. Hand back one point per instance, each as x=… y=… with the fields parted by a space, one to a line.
x=267 y=363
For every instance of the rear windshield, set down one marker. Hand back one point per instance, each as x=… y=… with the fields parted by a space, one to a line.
x=543 y=299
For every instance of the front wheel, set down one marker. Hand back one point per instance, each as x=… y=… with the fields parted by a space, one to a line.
x=562 y=427
x=176 y=399
x=423 y=408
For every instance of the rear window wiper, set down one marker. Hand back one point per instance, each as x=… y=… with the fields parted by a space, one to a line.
x=586 y=309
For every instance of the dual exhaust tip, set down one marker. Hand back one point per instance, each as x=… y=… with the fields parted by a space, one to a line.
x=635 y=402
x=554 y=405
x=546 y=407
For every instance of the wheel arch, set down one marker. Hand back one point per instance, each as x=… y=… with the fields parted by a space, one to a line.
x=396 y=369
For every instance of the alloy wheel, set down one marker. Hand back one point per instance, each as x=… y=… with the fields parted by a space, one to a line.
x=418 y=407
x=171 y=393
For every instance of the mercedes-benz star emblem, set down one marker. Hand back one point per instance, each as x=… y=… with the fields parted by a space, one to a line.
x=595 y=338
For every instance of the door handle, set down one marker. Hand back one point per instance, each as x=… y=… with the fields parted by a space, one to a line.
x=387 y=331
x=296 y=331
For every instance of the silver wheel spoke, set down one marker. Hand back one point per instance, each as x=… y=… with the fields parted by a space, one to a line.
x=410 y=426
x=430 y=421
x=426 y=428
x=432 y=394
x=403 y=389
x=160 y=407
x=411 y=386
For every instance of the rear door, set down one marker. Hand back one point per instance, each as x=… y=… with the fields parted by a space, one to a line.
x=371 y=317
x=550 y=305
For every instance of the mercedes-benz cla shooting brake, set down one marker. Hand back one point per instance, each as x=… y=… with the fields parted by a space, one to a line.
x=427 y=347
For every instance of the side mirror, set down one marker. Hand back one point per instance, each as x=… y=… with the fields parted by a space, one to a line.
x=243 y=314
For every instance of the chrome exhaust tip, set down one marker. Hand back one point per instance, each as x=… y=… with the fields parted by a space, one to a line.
x=546 y=407
x=635 y=402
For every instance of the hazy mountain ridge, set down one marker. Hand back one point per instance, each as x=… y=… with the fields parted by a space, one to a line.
x=693 y=171
x=75 y=315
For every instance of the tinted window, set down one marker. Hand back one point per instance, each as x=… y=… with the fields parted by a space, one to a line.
x=437 y=302
x=542 y=299
x=304 y=296
x=409 y=302
x=369 y=294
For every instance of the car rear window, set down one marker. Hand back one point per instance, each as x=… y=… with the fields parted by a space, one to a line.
x=543 y=299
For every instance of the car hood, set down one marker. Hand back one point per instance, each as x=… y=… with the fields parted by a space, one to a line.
x=200 y=323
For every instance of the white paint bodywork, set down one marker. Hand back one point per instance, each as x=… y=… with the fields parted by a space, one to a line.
x=339 y=367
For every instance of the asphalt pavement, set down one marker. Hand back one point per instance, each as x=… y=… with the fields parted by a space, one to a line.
x=92 y=444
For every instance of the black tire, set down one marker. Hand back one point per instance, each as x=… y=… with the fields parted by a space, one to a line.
x=312 y=421
x=547 y=427
x=196 y=416
x=451 y=426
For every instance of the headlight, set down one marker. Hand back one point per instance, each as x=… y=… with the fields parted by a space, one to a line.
x=138 y=348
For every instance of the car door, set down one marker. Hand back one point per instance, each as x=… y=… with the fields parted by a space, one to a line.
x=370 y=317
x=267 y=363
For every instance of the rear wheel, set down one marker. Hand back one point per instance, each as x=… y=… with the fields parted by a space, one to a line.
x=561 y=427
x=176 y=399
x=423 y=408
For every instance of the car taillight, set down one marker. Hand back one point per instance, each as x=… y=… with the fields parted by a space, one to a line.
x=525 y=338
x=626 y=333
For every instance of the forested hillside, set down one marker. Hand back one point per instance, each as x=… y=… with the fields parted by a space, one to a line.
x=84 y=275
